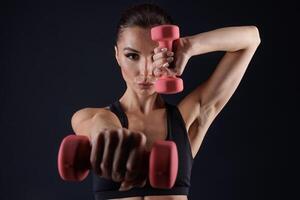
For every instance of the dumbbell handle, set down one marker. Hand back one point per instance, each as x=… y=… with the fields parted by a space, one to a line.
x=165 y=35
x=74 y=161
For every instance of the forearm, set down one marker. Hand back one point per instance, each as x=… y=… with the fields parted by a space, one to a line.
x=93 y=125
x=101 y=122
x=223 y=39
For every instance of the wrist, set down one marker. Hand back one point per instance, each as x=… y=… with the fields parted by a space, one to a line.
x=187 y=46
x=193 y=47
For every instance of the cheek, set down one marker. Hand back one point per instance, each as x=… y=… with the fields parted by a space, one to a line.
x=129 y=70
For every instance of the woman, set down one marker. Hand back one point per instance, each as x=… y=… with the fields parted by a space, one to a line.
x=121 y=133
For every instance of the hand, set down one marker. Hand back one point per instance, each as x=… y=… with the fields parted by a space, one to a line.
x=182 y=55
x=166 y=63
x=120 y=155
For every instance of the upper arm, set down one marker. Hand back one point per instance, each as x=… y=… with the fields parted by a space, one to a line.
x=216 y=91
x=89 y=120
x=204 y=103
x=210 y=97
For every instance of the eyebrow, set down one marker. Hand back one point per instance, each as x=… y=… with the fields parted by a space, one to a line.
x=131 y=49
x=136 y=51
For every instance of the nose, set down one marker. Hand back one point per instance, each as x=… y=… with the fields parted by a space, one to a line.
x=146 y=67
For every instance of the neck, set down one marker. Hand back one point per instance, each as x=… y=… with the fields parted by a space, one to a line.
x=141 y=104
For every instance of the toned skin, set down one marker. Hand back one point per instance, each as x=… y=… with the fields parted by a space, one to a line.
x=140 y=60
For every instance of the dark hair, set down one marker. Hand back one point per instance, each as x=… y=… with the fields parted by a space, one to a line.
x=143 y=15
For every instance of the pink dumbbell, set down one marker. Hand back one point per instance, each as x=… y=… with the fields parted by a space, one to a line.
x=74 y=161
x=165 y=35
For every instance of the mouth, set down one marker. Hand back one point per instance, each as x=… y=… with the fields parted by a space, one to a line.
x=145 y=84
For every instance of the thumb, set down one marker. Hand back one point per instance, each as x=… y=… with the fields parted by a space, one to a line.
x=125 y=186
x=180 y=64
x=157 y=71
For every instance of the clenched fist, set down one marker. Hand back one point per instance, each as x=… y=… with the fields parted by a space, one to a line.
x=120 y=155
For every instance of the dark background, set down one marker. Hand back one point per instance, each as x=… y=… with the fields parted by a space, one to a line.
x=57 y=57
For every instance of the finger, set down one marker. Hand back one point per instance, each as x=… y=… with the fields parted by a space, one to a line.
x=121 y=155
x=163 y=62
x=111 y=142
x=134 y=165
x=134 y=141
x=97 y=150
x=143 y=183
x=163 y=55
x=157 y=72
x=137 y=167
x=140 y=139
x=127 y=185
x=159 y=49
x=163 y=70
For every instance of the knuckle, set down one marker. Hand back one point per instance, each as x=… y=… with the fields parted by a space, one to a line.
x=94 y=165
x=165 y=60
x=141 y=139
x=129 y=166
x=101 y=132
x=159 y=62
x=106 y=134
x=119 y=133
x=126 y=135
x=138 y=137
x=121 y=130
x=93 y=160
x=103 y=135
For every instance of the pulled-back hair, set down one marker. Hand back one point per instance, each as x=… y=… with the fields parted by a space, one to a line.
x=143 y=15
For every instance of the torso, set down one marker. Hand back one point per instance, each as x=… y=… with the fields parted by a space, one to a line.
x=154 y=126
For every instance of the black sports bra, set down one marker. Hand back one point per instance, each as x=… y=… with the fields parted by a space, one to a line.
x=108 y=189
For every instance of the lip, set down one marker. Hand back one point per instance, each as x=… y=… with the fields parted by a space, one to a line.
x=145 y=84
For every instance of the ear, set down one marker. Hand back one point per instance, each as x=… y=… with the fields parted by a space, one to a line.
x=117 y=54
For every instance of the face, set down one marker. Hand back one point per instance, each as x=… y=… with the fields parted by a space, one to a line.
x=134 y=53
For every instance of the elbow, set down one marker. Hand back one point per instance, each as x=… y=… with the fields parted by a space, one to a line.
x=255 y=36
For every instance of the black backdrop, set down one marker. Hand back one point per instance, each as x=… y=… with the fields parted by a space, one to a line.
x=58 y=57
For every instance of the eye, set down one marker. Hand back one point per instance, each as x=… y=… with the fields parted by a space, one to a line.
x=132 y=56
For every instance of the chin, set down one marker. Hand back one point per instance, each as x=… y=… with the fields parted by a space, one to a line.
x=146 y=92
